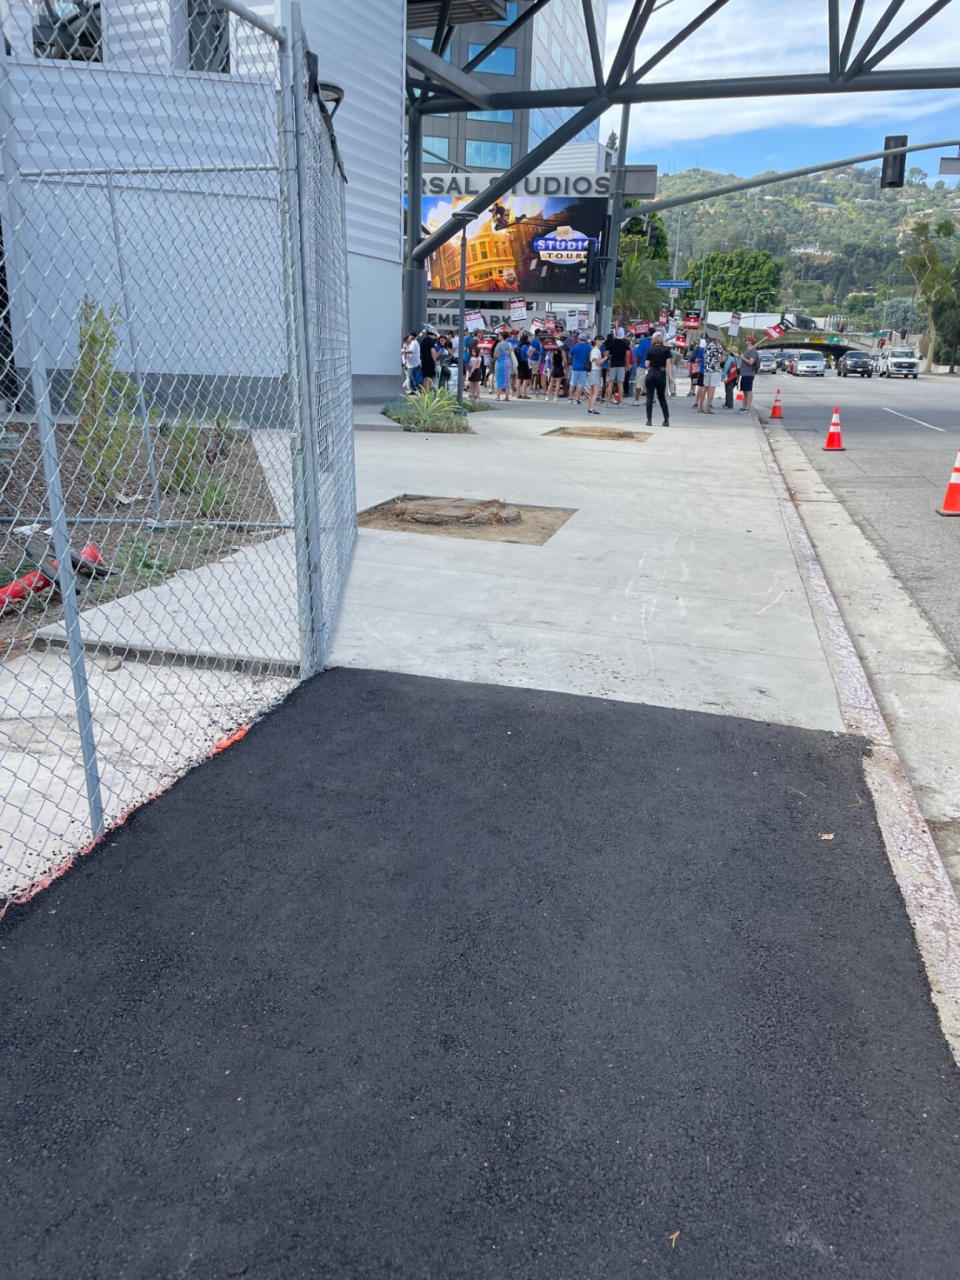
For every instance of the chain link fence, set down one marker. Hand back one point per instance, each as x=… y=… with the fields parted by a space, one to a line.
x=177 y=501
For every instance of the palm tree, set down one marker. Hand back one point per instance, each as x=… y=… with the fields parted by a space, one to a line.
x=637 y=293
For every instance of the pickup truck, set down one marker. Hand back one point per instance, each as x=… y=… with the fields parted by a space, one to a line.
x=898 y=362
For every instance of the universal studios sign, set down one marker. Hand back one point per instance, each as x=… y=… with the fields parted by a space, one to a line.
x=640 y=180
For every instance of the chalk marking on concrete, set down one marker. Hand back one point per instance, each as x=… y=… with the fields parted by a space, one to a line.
x=771 y=604
x=919 y=421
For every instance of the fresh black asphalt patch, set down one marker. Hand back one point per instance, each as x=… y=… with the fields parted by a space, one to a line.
x=428 y=979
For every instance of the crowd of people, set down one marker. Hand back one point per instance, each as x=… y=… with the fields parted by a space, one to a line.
x=563 y=365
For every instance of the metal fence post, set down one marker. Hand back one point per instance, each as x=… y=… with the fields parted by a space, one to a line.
x=33 y=352
x=305 y=459
x=132 y=344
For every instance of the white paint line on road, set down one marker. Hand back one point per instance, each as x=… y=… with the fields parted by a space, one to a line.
x=919 y=421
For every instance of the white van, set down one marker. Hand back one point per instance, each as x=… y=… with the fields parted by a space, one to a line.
x=810 y=364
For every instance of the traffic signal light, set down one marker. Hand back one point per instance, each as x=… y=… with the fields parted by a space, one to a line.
x=587 y=271
x=618 y=273
x=894 y=167
x=883 y=342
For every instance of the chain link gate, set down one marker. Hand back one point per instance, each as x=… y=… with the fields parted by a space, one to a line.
x=177 y=499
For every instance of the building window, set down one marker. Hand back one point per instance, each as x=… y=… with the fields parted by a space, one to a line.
x=208 y=36
x=488 y=155
x=505 y=22
x=492 y=117
x=502 y=62
x=435 y=149
x=69 y=31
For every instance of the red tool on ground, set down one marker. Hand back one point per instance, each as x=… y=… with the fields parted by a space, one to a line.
x=89 y=562
x=777 y=410
x=834 y=435
x=951 y=499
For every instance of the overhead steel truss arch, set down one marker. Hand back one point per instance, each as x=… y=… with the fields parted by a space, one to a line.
x=852 y=67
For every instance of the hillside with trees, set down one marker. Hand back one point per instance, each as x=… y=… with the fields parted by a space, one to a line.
x=840 y=238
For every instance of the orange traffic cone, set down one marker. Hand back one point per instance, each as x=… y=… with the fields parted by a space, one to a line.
x=834 y=436
x=951 y=500
x=777 y=410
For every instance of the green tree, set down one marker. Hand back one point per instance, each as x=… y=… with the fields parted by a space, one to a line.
x=928 y=259
x=901 y=315
x=637 y=294
x=645 y=236
x=946 y=315
x=735 y=279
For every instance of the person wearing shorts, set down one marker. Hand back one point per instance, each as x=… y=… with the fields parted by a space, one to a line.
x=579 y=360
x=598 y=362
x=557 y=372
x=712 y=373
x=616 y=349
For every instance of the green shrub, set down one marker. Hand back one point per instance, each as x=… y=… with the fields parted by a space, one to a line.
x=105 y=399
x=214 y=496
x=141 y=562
x=184 y=463
x=435 y=410
x=187 y=463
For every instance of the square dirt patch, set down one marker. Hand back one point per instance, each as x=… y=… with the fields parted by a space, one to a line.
x=489 y=520
x=600 y=433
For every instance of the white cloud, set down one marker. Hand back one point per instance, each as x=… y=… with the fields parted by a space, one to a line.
x=748 y=38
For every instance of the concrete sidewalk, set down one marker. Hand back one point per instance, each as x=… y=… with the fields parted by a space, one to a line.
x=673 y=583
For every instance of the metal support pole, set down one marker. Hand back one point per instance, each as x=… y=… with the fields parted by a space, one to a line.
x=32 y=349
x=676 y=246
x=304 y=450
x=414 y=273
x=616 y=217
x=463 y=307
x=133 y=349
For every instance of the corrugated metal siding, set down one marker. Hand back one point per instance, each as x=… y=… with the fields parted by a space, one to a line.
x=136 y=34
x=362 y=51
x=202 y=249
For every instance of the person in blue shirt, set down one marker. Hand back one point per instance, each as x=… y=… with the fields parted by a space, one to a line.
x=535 y=358
x=579 y=364
x=640 y=349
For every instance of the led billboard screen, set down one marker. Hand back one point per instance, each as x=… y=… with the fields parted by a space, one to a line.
x=522 y=244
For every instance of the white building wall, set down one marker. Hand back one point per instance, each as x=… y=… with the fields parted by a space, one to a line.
x=169 y=223
x=202 y=250
x=362 y=50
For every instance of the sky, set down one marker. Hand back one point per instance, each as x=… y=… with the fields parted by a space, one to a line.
x=754 y=37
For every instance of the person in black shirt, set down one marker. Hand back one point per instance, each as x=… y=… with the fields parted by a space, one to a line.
x=616 y=349
x=659 y=369
x=428 y=359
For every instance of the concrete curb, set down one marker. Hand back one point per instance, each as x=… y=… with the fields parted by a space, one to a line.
x=928 y=895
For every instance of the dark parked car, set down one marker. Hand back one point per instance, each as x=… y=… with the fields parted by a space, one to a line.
x=856 y=362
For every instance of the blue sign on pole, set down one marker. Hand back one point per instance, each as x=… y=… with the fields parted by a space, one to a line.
x=674 y=284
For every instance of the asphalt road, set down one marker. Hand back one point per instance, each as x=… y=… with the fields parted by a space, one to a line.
x=901 y=441
x=423 y=979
